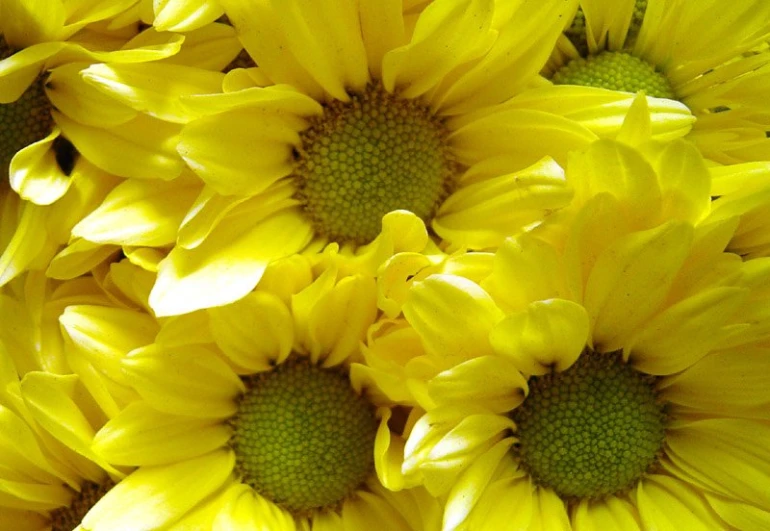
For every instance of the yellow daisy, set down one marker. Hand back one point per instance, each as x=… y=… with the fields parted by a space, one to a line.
x=60 y=346
x=49 y=116
x=712 y=56
x=387 y=109
x=612 y=378
x=252 y=408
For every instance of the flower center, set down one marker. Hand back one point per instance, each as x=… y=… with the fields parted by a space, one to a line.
x=592 y=430
x=69 y=518
x=615 y=71
x=24 y=121
x=303 y=438
x=367 y=157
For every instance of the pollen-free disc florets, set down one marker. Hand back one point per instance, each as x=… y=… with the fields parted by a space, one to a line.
x=592 y=430
x=303 y=438
x=367 y=157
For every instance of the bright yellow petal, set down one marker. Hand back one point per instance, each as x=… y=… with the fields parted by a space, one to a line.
x=142 y=436
x=550 y=513
x=448 y=33
x=739 y=515
x=36 y=175
x=610 y=514
x=228 y=264
x=471 y=484
x=489 y=381
x=255 y=332
x=631 y=279
x=382 y=29
x=18 y=71
x=453 y=316
x=153 y=88
x=26 y=23
x=189 y=380
x=151 y=497
x=25 y=244
x=245 y=510
x=685 y=332
x=185 y=16
x=548 y=334
x=78 y=258
x=730 y=456
x=667 y=504
x=203 y=216
x=138 y=212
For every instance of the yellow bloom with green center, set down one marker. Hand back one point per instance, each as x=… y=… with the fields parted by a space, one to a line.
x=344 y=128
x=60 y=348
x=610 y=374
x=712 y=57
x=253 y=407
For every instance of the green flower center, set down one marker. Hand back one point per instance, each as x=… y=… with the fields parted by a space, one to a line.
x=592 y=430
x=367 y=157
x=24 y=121
x=615 y=71
x=303 y=438
x=68 y=518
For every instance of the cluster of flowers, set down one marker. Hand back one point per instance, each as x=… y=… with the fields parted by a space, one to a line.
x=409 y=265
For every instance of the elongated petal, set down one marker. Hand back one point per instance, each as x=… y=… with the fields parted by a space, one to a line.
x=630 y=280
x=188 y=380
x=549 y=334
x=151 y=497
x=227 y=265
x=453 y=316
x=142 y=436
x=611 y=514
x=667 y=504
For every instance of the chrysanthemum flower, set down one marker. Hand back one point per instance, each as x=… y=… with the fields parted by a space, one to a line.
x=707 y=55
x=60 y=346
x=614 y=379
x=49 y=116
x=341 y=124
x=252 y=408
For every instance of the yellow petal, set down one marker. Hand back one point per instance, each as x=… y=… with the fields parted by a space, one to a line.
x=203 y=216
x=105 y=335
x=489 y=381
x=447 y=34
x=382 y=29
x=730 y=456
x=525 y=257
x=151 y=497
x=33 y=496
x=245 y=510
x=668 y=504
x=78 y=258
x=36 y=175
x=18 y=71
x=20 y=520
x=255 y=332
x=25 y=244
x=685 y=332
x=79 y=100
x=184 y=16
x=453 y=316
x=685 y=182
x=153 y=88
x=482 y=214
x=139 y=212
x=737 y=514
x=27 y=23
x=550 y=512
x=241 y=151
x=548 y=334
x=189 y=380
x=228 y=264
x=142 y=148
x=631 y=279
x=610 y=514
x=338 y=322
x=51 y=399
x=471 y=484
x=142 y=436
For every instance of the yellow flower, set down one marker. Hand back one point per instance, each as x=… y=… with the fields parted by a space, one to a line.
x=711 y=56
x=611 y=378
x=49 y=116
x=340 y=124
x=61 y=381
x=252 y=408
